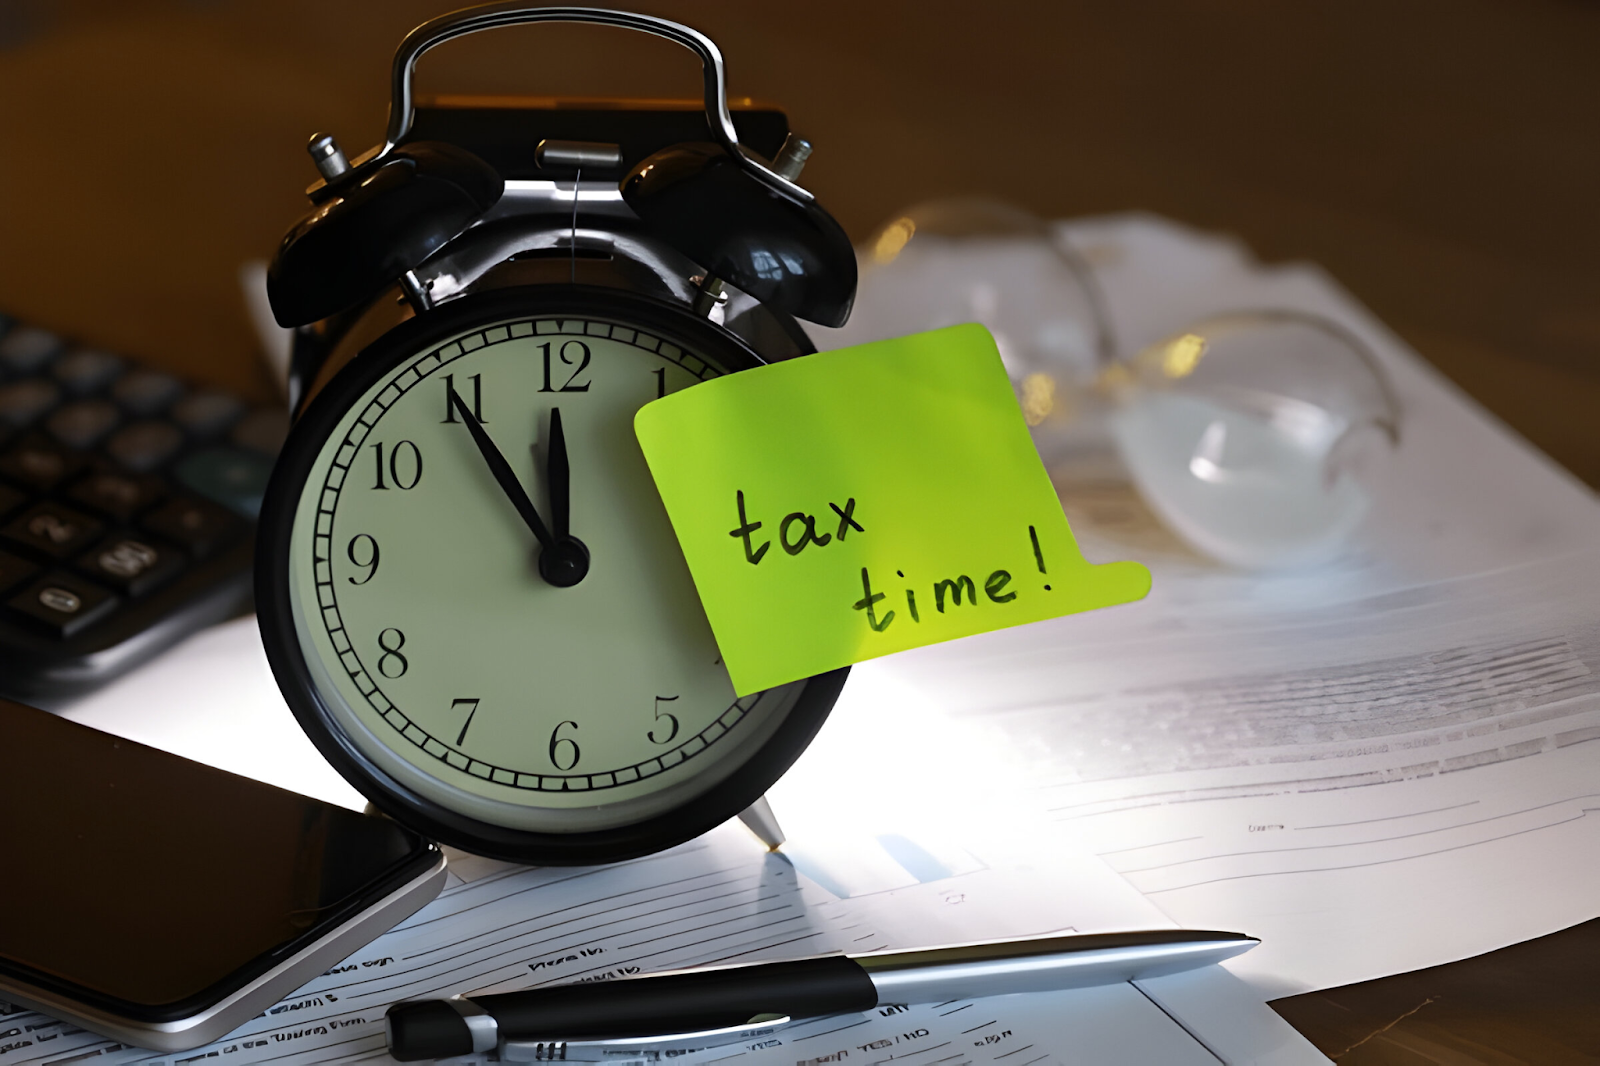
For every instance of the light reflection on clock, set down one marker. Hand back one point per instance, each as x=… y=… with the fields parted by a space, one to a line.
x=439 y=645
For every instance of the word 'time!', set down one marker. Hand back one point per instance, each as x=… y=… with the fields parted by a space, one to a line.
x=798 y=530
x=994 y=589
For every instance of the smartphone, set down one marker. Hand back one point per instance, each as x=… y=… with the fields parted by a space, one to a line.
x=163 y=903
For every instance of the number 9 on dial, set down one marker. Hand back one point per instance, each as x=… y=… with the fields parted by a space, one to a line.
x=472 y=598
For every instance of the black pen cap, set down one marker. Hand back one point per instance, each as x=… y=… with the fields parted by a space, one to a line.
x=428 y=1030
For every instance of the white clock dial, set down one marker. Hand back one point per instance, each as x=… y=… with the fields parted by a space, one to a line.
x=433 y=640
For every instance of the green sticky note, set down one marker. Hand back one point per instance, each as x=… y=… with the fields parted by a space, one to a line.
x=864 y=501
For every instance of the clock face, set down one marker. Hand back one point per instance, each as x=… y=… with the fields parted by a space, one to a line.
x=436 y=646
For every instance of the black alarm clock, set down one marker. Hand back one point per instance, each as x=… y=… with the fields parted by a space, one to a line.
x=467 y=585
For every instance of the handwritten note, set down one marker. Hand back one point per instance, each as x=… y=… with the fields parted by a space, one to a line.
x=864 y=501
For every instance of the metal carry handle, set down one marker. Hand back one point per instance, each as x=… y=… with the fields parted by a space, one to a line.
x=402 y=103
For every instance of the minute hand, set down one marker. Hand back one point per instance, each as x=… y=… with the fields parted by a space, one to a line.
x=502 y=473
x=558 y=475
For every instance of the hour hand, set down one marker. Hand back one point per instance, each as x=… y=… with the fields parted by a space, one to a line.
x=502 y=473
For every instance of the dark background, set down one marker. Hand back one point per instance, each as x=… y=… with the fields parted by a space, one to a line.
x=1442 y=160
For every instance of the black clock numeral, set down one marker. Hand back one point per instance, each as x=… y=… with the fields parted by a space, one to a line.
x=583 y=350
x=556 y=740
x=398 y=469
x=370 y=562
x=472 y=708
x=477 y=398
x=661 y=382
x=391 y=663
x=660 y=714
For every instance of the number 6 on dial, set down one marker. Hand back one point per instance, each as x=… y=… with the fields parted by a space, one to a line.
x=447 y=268
x=440 y=588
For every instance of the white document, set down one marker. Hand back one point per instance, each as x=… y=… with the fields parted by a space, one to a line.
x=1383 y=764
x=719 y=899
x=1227 y=1016
x=885 y=851
x=976 y=741
x=213 y=699
x=1114 y=1024
x=1407 y=781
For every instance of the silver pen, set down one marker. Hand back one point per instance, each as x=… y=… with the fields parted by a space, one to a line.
x=648 y=1017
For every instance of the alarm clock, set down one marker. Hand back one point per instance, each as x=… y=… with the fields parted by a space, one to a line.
x=467 y=585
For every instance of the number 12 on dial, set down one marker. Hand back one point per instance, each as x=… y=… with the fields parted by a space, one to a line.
x=473 y=515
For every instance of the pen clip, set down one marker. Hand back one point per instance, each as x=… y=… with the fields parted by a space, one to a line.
x=638 y=1048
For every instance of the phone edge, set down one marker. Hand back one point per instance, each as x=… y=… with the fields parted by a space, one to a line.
x=233 y=1010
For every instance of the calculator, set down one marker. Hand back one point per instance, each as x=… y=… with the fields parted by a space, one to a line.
x=128 y=500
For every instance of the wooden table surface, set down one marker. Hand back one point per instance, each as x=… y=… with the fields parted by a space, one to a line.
x=1442 y=160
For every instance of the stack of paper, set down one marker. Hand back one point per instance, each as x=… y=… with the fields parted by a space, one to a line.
x=1379 y=765
x=1383 y=764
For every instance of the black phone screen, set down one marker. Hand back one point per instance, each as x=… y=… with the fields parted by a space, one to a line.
x=153 y=886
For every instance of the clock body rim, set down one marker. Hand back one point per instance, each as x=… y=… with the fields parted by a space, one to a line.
x=307 y=439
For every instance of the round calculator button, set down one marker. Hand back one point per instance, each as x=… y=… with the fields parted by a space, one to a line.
x=59 y=599
x=117 y=494
x=132 y=566
x=24 y=401
x=145 y=445
x=39 y=462
x=25 y=350
x=233 y=477
x=197 y=525
x=51 y=529
x=79 y=425
x=145 y=392
x=63 y=603
x=205 y=414
x=262 y=430
x=86 y=370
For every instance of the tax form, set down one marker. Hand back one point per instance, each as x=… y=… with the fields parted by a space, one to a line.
x=1386 y=763
x=1363 y=811
x=929 y=752
x=719 y=899
x=873 y=862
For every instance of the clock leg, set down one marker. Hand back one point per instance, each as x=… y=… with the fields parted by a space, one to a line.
x=760 y=820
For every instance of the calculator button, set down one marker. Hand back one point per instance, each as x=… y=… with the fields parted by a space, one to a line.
x=115 y=493
x=64 y=604
x=145 y=392
x=52 y=529
x=14 y=571
x=11 y=499
x=233 y=477
x=145 y=445
x=79 y=425
x=22 y=402
x=197 y=525
x=262 y=430
x=205 y=414
x=131 y=565
x=27 y=348
x=85 y=370
x=39 y=462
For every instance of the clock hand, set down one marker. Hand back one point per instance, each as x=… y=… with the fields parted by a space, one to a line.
x=559 y=477
x=502 y=473
x=566 y=562
x=563 y=560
